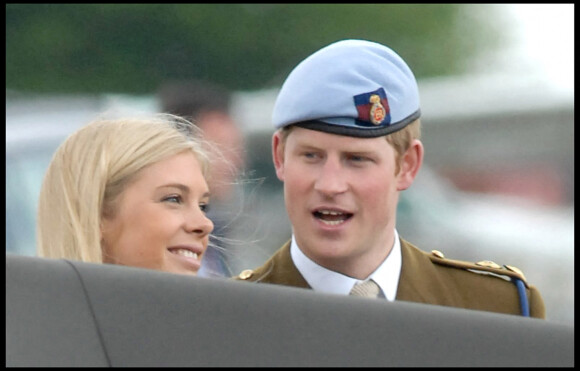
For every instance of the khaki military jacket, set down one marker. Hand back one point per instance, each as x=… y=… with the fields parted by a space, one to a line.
x=430 y=279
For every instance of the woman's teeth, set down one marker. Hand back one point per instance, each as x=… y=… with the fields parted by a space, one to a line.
x=186 y=253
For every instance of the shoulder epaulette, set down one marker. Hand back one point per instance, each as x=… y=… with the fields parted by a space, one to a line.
x=484 y=266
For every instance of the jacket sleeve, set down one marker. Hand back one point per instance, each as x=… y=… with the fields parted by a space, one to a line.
x=537 y=308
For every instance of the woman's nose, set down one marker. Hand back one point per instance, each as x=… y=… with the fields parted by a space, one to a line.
x=198 y=222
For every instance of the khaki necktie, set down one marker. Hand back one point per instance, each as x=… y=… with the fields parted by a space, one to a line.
x=368 y=289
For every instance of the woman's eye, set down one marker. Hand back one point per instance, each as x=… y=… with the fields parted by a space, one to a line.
x=174 y=199
x=204 y=207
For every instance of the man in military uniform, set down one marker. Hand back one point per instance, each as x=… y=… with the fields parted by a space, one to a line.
x=347 y=143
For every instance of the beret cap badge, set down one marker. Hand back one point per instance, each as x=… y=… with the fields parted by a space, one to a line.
x=373 y=108
x=378 y=112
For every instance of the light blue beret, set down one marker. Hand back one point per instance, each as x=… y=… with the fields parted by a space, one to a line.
x=351 y=87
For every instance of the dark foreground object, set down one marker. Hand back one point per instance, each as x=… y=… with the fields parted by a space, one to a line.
x=63 y=313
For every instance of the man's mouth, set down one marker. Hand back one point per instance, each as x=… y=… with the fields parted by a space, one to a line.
x=331 y=217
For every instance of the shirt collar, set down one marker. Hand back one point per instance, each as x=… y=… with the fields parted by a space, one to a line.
x=324 y=280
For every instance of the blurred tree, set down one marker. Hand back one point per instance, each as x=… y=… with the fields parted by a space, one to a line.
x=132 y=48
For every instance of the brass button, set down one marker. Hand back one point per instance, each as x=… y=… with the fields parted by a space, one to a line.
x=247 y=273
x=437 y=253
x=488 y=264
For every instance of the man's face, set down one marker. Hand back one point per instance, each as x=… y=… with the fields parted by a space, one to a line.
x=341 y=196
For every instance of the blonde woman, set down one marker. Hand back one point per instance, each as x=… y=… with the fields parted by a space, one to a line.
x=128 y=191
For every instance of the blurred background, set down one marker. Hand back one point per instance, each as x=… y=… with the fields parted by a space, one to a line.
x=497 y=95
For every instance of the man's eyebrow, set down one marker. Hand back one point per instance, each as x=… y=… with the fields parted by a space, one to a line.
x=360 y=152
x=308 y=144
x=356 y=150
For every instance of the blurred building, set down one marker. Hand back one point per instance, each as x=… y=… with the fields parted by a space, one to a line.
x=503 y=135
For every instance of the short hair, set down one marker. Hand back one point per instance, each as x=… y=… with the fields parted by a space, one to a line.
x=92 y=167
x=400 y=140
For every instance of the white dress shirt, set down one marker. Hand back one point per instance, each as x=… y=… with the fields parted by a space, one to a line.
x=321 y=279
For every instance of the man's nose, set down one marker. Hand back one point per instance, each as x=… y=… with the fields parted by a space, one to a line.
x=331 y=180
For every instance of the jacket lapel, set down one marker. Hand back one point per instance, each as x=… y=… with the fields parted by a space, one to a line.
x=416 y=282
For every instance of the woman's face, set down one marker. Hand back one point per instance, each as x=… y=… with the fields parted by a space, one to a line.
x=159 y=220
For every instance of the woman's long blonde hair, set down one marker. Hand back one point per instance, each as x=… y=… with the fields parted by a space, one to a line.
x=92 y=167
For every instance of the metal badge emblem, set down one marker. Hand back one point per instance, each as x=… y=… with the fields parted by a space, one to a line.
x=378 y=112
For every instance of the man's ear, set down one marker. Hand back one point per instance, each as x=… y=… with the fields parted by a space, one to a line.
x=278 y=155
x=410 y=163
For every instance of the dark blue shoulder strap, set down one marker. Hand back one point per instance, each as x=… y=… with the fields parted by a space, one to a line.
x=523 y=297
